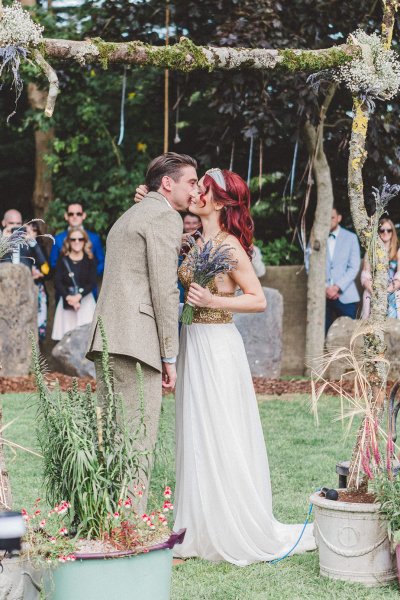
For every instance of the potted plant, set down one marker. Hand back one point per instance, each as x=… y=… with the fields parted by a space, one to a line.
x=92 y=540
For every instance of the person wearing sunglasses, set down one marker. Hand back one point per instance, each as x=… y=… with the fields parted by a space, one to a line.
x=388 y=235
x=75 y=280
x=75 y=217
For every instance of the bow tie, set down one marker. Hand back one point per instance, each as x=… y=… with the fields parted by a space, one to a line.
x=332 y=235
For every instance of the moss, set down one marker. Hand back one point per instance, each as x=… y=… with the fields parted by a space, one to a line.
x=184 y=56
x=105 y=49
x=306 y=60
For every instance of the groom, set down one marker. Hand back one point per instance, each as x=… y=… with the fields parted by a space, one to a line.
x=139 y=297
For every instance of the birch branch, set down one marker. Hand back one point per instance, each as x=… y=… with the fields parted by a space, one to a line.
x=53 y=82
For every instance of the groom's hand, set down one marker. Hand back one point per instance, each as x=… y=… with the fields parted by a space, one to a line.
x=141 y=192
x=168 y=376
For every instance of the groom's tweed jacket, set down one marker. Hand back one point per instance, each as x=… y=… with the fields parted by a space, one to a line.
x=139 y=296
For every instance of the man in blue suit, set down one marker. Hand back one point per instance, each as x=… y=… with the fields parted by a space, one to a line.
x=342 y=267
x=75 y=217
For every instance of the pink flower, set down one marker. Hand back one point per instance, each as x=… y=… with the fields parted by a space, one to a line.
x=62 y=558
x=71 y=557
x=63 y=531
x=116 y=515
x=53 y=540
x=167 y=492
x=167 y=506
x=37 y=512
x=128 y=503
x=42 y=523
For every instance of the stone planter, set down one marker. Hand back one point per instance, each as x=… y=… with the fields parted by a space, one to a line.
x=116 y=575
x=398 y=561
x=352 y=541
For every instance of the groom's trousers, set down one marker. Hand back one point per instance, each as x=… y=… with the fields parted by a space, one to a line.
x=125 y=383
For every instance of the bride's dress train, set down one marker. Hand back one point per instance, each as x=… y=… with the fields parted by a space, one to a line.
x=223 y=490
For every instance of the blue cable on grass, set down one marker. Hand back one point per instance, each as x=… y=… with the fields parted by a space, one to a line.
x=276 y=560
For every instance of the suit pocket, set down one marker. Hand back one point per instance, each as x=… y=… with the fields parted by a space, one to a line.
x=147 y=309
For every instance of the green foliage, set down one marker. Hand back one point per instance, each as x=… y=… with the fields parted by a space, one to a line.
x=387 y=492
x=280 y=252
x=90 y=456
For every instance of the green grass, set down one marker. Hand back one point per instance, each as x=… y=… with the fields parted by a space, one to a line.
x=302 y=458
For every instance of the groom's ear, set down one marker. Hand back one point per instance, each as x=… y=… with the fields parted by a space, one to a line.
x=166 y=183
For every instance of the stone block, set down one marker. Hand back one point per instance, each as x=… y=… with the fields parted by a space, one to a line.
x=70 y=351
x=340 y=333
x=262 y=336
x=18 y=316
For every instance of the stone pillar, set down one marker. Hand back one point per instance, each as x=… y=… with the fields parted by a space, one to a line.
x=262 y=336
x=18 y=316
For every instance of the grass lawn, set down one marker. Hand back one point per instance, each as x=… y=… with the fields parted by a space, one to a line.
x=302 y=458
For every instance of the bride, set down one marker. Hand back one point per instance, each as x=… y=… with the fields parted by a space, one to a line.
x=223 y=490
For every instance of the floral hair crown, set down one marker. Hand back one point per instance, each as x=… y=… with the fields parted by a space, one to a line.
x=218 y=177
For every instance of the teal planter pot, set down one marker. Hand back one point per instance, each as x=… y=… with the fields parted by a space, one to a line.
x=115 y=576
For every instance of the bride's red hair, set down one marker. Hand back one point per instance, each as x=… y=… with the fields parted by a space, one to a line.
x=235 y=215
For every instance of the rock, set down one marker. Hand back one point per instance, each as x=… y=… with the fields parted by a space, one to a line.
x=342 y=330
x=18 y=316
x=70 y=352
x=262 y=336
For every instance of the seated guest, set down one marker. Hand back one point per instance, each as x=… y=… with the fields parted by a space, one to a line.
x=342 y=267
x=388 y=235
x=75 y=280
x=75 y=217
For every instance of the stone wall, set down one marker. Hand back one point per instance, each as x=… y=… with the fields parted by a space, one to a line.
x=18 y=316
x=291 y=282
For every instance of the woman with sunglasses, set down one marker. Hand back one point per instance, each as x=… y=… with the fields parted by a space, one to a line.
x=75 y=280
x=388 y=235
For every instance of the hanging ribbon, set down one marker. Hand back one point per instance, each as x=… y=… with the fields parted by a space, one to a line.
x=260 y=169
x=122 y=114
x=293 y=170
x=232 y=156
x=250 y=160
x=177 y=138
x=166 y=82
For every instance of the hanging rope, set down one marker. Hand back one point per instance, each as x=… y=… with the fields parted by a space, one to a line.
x=260 y=169
x=166 y=82
x=177 y=138
x=232 y=156
x=122 y=114
x=250 y=160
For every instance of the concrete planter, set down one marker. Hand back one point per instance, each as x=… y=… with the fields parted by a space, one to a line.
x=115 y=576
x=352 y=541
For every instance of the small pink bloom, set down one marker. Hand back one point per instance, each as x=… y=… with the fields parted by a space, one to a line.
x=37 y=512
x=62 y=559
x=42 y=523
x=63 y=531
x=53 y=540
x=116 y=515
x=128 y=503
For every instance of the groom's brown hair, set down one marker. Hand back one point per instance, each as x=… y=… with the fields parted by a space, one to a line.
x=171 y=164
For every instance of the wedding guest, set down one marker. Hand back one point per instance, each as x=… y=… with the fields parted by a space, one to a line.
x=191 y=224
x=40 y=270
x=388 y=235
x=75 y=280
x=75 y=217
x=342 y=267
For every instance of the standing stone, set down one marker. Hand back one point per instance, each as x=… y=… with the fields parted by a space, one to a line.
x=339 y=336
x=18 y=316
x=69 y=353
x=262 y=336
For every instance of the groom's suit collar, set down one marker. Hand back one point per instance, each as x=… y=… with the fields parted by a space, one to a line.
x=160 y=198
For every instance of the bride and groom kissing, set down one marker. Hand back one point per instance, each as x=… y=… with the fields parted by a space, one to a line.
x=223 y=491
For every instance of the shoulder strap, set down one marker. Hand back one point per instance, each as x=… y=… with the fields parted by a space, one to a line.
x=70 y=272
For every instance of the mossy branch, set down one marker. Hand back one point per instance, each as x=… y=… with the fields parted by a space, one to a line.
x=186 y=56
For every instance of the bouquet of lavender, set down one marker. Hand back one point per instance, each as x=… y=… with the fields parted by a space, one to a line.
x=206 y=262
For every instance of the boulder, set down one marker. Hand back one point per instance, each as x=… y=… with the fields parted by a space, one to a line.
x=262 y=336
x=70 y=351
x=18 y=316
x=340 y=333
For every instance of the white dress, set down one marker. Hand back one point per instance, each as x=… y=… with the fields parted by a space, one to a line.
x=223 y=491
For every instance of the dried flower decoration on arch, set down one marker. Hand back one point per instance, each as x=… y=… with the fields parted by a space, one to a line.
x=375 y=75
x=20 y=39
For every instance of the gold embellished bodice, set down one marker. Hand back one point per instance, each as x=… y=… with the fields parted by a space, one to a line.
x=203 y=314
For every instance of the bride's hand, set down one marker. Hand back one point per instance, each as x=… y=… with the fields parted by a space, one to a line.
x=199 y=296
x=141 y=192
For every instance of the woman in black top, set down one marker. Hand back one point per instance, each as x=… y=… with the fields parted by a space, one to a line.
x=75 y=280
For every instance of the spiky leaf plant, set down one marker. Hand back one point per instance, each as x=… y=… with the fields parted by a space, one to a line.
x=90 y=453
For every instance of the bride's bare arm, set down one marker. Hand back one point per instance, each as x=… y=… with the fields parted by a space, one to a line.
x=252 y=299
